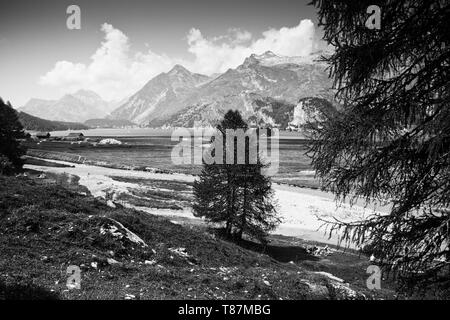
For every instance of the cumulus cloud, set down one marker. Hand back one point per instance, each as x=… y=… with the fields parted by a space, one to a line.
x=114 y=71
x=212 y=55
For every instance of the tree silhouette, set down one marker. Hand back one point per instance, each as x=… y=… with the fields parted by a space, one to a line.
x=238 y=195
x=11 y=131
x=391 y=140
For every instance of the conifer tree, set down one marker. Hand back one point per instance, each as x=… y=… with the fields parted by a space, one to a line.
x=237 y=195
x=391 y=140
x=11 y=131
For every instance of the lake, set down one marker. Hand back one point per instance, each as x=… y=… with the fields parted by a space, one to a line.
x=152 y=148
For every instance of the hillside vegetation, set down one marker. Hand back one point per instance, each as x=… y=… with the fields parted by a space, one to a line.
x=127 y=254
x=33 y=123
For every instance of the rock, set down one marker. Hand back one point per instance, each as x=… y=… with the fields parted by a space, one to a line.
x=180 y=252
x=110 y=204
x=319 y=251
x=329 y=276
x=130 y=297
x=267 y=283
x=149 y=262
x=112 y=261
x=317 y=291
x=343 y=291
x=119 y=231
x=94 y=265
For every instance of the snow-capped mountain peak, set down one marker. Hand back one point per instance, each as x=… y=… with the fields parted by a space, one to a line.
x=269 y=59
x=182 y=97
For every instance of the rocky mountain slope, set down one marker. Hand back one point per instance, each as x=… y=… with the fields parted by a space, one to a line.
x=77 y=107
x=161 y=96
x=181 y=98
x=263 y=112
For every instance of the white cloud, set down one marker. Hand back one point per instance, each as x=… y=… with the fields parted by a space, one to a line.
x=213 y=56
x=114 y=71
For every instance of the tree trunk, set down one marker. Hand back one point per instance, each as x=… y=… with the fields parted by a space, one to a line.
x=228 y=229
x=244 y=213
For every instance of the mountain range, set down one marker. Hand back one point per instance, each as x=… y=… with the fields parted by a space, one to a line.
x=161 y=97
x=265 y=88
x=77 y=107
x=182 y=98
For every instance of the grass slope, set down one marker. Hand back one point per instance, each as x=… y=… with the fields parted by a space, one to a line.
x=46 y=227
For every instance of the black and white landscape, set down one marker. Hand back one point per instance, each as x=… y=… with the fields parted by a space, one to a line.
x=180 y=98
x=349 y=107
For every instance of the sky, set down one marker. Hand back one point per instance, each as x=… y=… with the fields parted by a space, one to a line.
x=123 y=44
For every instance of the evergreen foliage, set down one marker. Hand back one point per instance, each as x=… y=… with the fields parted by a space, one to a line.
x=391 y=140
x=11 y=131
x=236 y=195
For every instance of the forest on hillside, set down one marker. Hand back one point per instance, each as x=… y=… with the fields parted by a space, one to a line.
x=33 y=123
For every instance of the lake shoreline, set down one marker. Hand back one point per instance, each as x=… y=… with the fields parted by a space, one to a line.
x=301 y=209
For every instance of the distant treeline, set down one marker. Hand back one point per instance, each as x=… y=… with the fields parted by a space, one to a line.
x=30 y=122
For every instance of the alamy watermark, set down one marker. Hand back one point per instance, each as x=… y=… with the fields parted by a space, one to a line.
x=74 y=279
x=373 y=22
x=373 y=282
x=198 y=146
x=73 y=22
